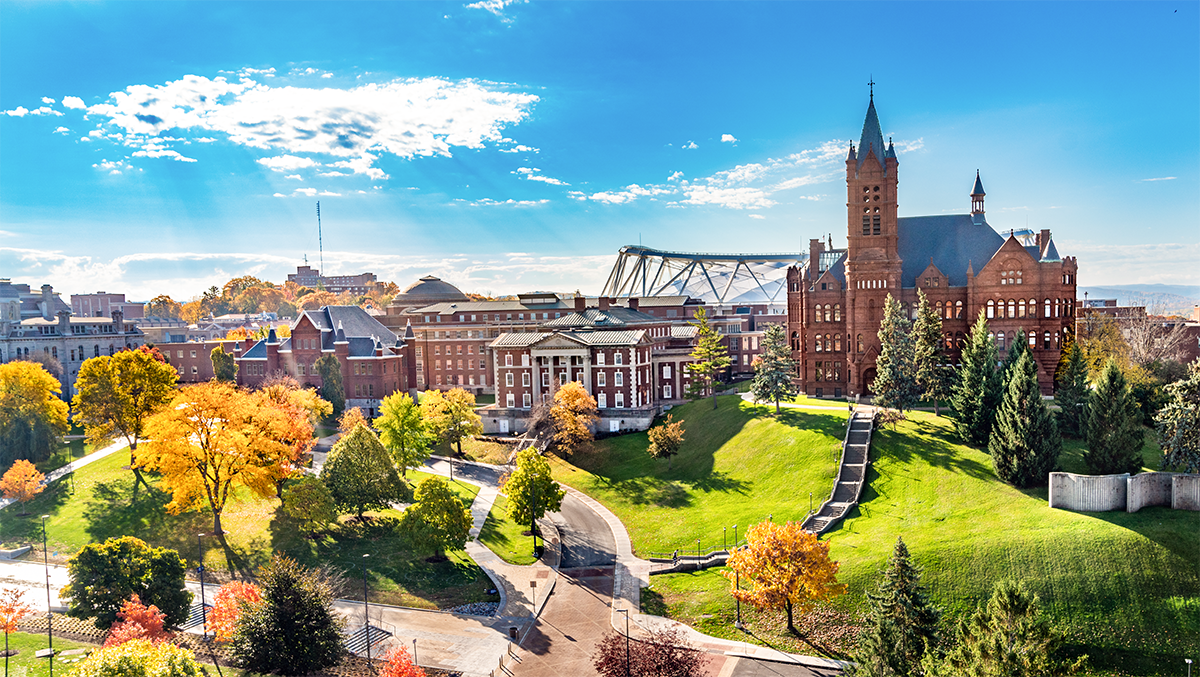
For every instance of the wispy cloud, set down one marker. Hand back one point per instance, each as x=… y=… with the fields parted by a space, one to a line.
x=489 y=202
x=534 y=174
x=1161 y=178
x=728 y=138
x=757 y=216
x=496 y=7
x=1124 y=263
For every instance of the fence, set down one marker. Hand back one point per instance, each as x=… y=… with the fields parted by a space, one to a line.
x=1102 y=493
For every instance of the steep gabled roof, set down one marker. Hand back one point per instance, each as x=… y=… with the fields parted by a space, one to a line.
x=872 y=137
x=353 y=320
x=953 y=241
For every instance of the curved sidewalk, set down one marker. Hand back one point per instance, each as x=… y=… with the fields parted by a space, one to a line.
x=59 y=473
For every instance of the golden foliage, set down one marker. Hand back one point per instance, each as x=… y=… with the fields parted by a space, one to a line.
x=574 y=412
x=31 y=414
x=22 y=481
x=350 y=418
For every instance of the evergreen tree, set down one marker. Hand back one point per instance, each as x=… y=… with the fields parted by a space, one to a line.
x=977 y=392
x=332 y=390
x=1114 y=425
x=1025 y=443
x=360 y=475
x=901 y=623
x=1073 y=391
x=774 y=371
x=1178 y=423
x=710 y=358
x=935 y=374
x=1019 y=347
x=224 y=367
x=895 y=383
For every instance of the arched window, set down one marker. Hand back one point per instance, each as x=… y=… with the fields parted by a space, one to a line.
x=817 y=313
x=958 y=310
x=871 y=310
x=818 y=343
x=828 y=314
x=837 y=312
x=837 y=342
x=1021 y=308
x=1012 y=308
x=860 y=345
x=1047 y=308
x=938 y=305
x=991 y=309
x=1033 y=307
x=828 y=343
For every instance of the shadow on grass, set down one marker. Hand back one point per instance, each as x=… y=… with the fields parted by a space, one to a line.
x=937 y=445
x=22 y=522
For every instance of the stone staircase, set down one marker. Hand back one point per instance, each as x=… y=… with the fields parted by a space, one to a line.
x=852 y=473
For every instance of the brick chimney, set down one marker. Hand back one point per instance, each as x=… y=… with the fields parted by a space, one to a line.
x=633 y=303
x=604 y=301
x=47 y=302
x=580 y=303
x=815 y=247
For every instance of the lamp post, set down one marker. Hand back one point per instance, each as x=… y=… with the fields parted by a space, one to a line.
x=1186 y=660
x=533 y=515
x=724 y=540
x=738 y=584
x=735 y=539
x=626 y=612
x=810 y=502
x=366 y=607
x=49 y=611
x=203 y=605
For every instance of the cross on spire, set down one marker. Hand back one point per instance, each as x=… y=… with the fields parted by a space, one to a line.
x=872 y=86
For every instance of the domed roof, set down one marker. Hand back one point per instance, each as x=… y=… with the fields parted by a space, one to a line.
x=427 y=291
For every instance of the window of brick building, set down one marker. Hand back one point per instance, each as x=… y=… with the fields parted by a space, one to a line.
x=510 y=400
x=525 y=379
x=618 y=358
x=508 y=359
x=601 y=379
x=837 y=312
x=508 y=380
x=619 y=379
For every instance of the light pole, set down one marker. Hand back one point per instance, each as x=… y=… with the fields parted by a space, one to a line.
x=810 y=502
x=1186 y=660
x=626 y=612
x=738 y=584
x=366 y=608
x=724 y=539
x=533 y=515
x=200 y=569
x=735 y=540
x=49 y=611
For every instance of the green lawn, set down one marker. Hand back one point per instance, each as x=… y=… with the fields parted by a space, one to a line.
x=505 y=537
x=738 y=464
x=104 y=504
x=480 y=451
x=25 y=664
x=1125 y=586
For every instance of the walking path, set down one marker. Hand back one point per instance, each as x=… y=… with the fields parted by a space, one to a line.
x=78 y=463
x=852 y=472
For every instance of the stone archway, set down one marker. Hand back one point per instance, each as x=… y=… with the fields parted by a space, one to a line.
x=868 y=380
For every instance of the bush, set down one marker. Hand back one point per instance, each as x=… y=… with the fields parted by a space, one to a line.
x=104 y=575
x=139 y=658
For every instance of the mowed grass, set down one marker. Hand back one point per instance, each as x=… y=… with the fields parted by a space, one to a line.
x=505 y=537
x=1126 y=587
x=27 y=664
x=106 y=504
x=480 y=451
x=738 y=464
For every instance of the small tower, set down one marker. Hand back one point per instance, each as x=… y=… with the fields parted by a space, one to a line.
x=977 y=196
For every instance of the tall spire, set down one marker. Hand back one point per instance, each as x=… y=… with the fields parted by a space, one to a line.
x=977 y=195
x=872 y=135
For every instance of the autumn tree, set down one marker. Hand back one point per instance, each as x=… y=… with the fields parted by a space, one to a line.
x=399 y=663
x=1025 y=443
x=103 y=576
x=117 y=396
x=710 y=358
x=139 y=658
x=12 y=610
x=574 y=414
x=192 y=311
x=977 y=391
x=773 y=373
x=787 y=568
x=933 y=371
x=294 y=629
x=1101 y=340
x=214 y=438
x=164 y=306
x=1072 y=391
x=224 y=367
x=302 y=409
x=238 y=334
x=352 y=418
x=237 y=285
x=1178 y=424
x=665 y=439
x=901 y=623
x=227 y=607
x=1114 y=425
x=895 y=384
x=22 y=482
x=402 y=431
x=360 y=474
x=332 y=391
x=437 y=520
x=309 y=502
x=137 y=621
x=662 y=653
x=32 y=417
x=531 y=489
x=450 y=416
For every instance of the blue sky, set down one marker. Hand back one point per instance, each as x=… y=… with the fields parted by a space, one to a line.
x=506 y=146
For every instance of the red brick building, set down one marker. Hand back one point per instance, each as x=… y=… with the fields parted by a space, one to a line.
x=835 y=302
x=193 y=360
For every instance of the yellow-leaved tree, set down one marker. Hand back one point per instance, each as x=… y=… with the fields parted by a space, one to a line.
x=574 y=413
x=31 y=414
x=214 y=437
x=787 y=568
x=450 y=416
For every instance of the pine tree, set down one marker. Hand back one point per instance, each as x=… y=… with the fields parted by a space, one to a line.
x=1178 y=423
x=710 y=358
x=1019 y=347
x=935 y=374
x=1114 y=425
x=1072 y=391
x=1025 y=443
x=895 y=383
x=901 y=623
x=332 y=391
x=977 y=392
x=773 y=372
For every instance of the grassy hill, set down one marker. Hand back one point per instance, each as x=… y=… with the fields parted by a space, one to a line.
x=1126 y=586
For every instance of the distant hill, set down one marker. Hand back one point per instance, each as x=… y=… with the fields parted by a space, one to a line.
x=1161 y=298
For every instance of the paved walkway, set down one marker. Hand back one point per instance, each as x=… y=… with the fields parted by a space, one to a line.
x=78 y=463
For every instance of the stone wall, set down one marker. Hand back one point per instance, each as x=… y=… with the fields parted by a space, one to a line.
x=1148 y=489
x=1088 y=493
x=1185 y=492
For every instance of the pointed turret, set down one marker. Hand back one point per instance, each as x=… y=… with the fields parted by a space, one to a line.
x=891 y=150
x=872 y=137
x=409 y=335
x=977 y=195
x=851 y=157
x=340 y=336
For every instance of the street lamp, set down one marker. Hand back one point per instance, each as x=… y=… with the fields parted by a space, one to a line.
x=49 y=611
x=1186 y=660
x=203 y=605
x=533 y=515
x=366 y=607
x=738 y=583
x=724 y=539
x=626 y=612
x=735 y=540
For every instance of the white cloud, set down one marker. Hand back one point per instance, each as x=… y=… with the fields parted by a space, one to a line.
x=62 y=130
x=354 y=127
x=675 y=176
x=757 y=216
x=156 y=152
x=47 y=100
x=73 y=102
x=903 y=147
x=495 y=6
x=306 y=191
x=518 y=148
x=534 y=174
x=286 y=163
x=730 y=198
x=1113 y=264
x=21 y=111
x=1161 y=178
x=297 y=177
x=488 y=202
x=728 y=138
x=113 y=168
x=631 y=193
x=332 y=173
x=690 y=145
x=330 y=193
x=18 y=112
x=327 y=75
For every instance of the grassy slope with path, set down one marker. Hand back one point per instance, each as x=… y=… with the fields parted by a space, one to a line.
x=737 y=465
x=507 y=538
x=104 y=504
x=1126 y=586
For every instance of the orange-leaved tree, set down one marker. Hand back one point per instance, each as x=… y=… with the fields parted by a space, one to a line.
x=138 y=621
x=22 y=482
x=303 y=407
x=213 y=438
x=398 y=663
x=666 y=439
x=350 y=418
x=12 y=609
x=574 y=413
x=786 y=567
x=227 y=607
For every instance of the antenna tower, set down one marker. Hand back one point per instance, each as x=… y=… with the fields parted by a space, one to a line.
x=320 y=243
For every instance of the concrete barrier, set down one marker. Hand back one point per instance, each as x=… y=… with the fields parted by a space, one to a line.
x=1185 y=492
x=1149 y=489
x=1088 y=493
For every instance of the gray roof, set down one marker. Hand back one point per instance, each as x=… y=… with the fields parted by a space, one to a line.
x=520 y=340
x=429 y=289
x=1051 y=252
x=872 y=137
x=613 y=316
x=485 y=307
x=354 y=320
x=685 y=331
x=951 y=241
x=978 y=189
x=258 y=351
x=627 y=337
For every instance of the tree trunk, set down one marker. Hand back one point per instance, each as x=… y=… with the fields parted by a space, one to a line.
x=137 y=472
x=217 y=531
x=460 y=447
x=714 y=392
x=790 y=626
x=777 y=412
x=935 y=407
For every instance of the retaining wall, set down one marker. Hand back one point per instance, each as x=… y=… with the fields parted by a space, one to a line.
x=1088 y=493
x=1185 y=492
x=1148 y=489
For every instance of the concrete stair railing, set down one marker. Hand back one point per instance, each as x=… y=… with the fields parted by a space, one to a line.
x=852 y=473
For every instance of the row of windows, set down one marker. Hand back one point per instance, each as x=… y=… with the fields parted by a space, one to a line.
x=829 y=316
x=618 y=359
x=1018 y=308
x=364 y=390
x=872 y=284
x=437 y=364
x=460 y=380
x=306 y=344
x=495 y=318
x=437 y=350
x=827 y=371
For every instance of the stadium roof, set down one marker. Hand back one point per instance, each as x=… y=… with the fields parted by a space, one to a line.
x=712 y=277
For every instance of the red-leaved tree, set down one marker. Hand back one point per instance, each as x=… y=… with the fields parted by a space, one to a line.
x=664 y=653
x=12 y=609
x=400 y=664
x=227 y=607
x=138 y=621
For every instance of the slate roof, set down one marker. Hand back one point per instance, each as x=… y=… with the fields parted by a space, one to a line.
x=257 y=352
x=354 y=320
x=872 y=137
x=951 y=240
x=626 y=337
x=1051 y=252
x=613 y=316
x=521 y=340
x=978 y=189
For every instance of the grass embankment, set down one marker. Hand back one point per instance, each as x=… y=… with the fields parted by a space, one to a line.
x=27 y=664
x=105 y=503
x=738 y=464
x=509 y=540
x=480 y=451
x=1126 y=587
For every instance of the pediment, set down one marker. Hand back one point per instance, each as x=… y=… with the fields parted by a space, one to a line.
x=558 y=341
